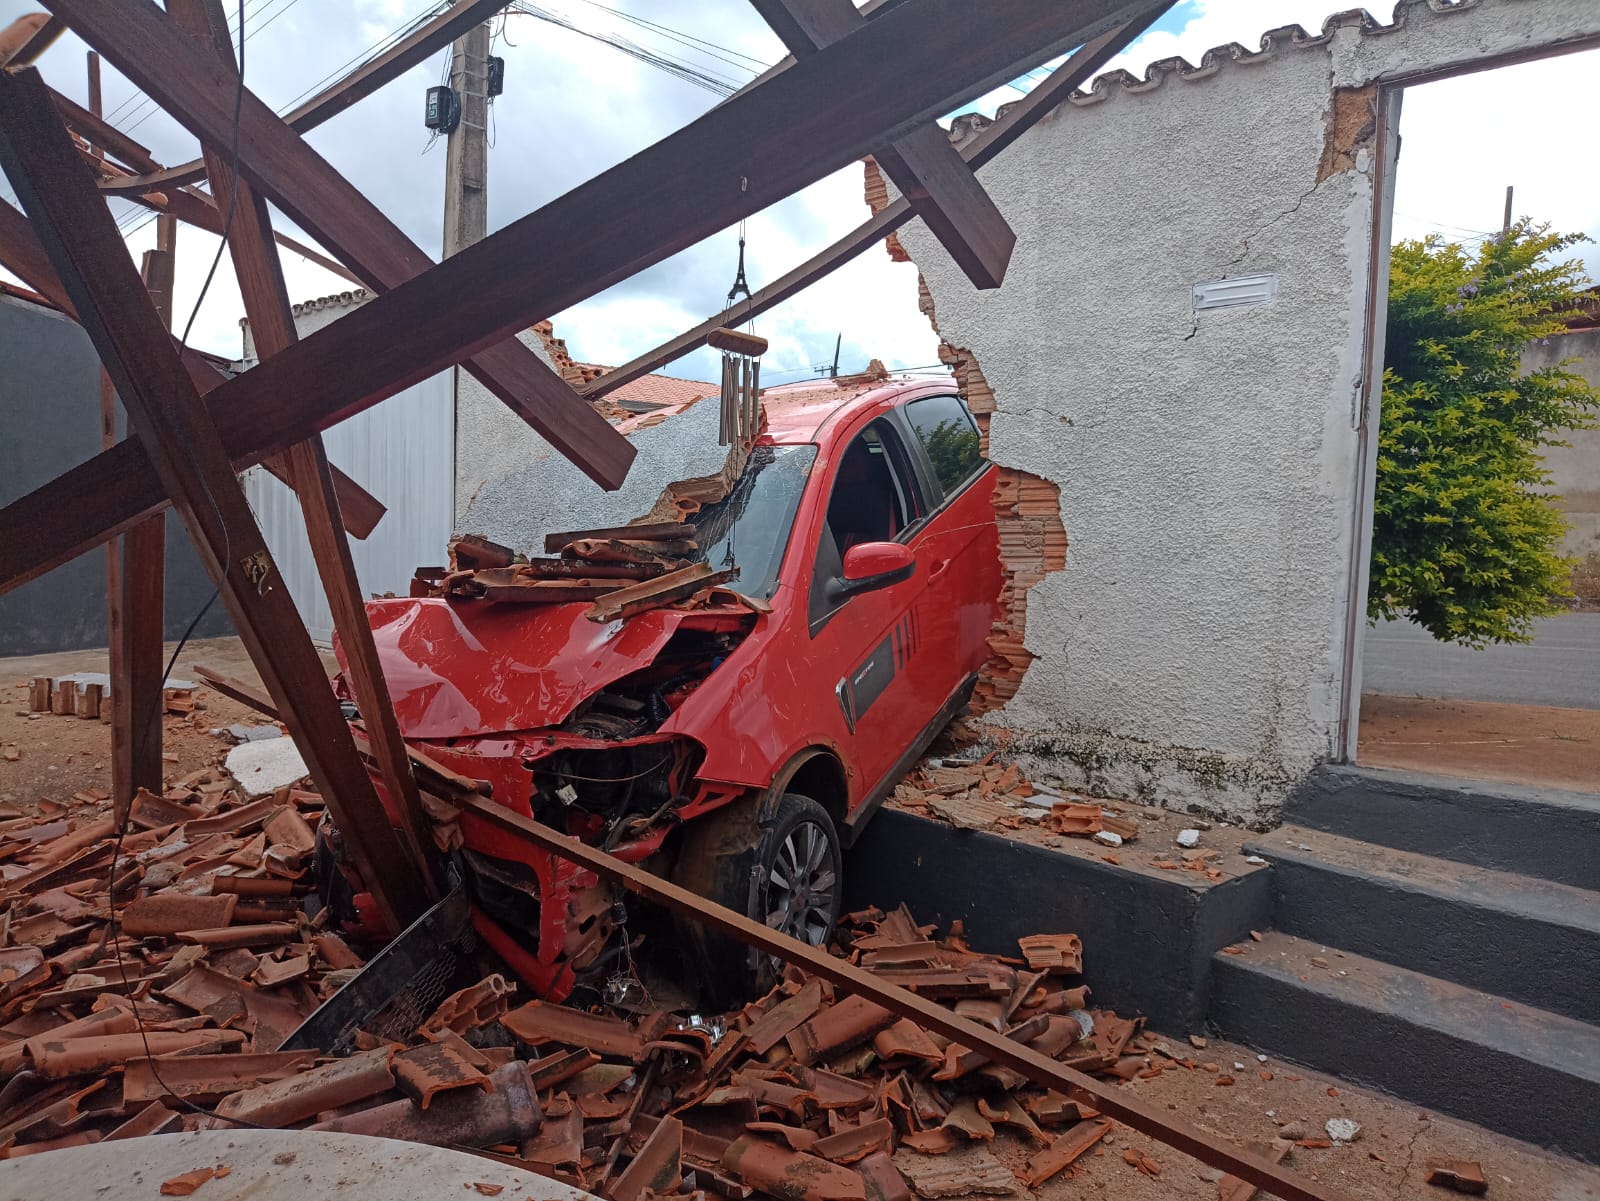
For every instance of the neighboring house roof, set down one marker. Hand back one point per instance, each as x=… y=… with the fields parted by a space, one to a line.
x=1588 y=315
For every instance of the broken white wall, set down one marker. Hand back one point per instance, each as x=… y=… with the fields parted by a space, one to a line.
x=1190 y=653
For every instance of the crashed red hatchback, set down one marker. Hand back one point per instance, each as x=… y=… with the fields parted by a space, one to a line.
x=735 y=748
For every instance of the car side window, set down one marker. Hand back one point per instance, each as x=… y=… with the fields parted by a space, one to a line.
x=873 y=500
x=949 y=436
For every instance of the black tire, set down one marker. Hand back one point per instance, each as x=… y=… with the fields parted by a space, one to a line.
x=787 y=873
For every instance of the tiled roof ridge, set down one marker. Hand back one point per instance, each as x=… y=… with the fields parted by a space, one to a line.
x=1102 y=87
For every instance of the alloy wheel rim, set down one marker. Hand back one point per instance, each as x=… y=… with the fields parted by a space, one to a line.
x=800 y=885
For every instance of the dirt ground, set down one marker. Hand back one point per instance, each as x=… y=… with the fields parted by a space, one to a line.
x=61 y=755
x=1519 y=744
x=1386 y=1162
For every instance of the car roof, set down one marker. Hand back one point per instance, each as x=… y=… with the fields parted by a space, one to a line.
x=797 y=412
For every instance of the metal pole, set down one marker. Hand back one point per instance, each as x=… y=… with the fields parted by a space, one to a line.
x=1505 y=226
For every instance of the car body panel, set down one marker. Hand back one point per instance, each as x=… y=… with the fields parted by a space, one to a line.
x=499 y=692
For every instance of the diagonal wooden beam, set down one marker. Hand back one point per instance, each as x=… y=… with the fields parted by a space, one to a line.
x=1017 y=120
x=410 y=50
x=21 y=254
x=29 y=36
x=833 y=108
x=266 y=304
x=178 y=73
x=87 y=251
x=1113 y=1099
x=927 y=169
x=135 y=593
x=103 y=134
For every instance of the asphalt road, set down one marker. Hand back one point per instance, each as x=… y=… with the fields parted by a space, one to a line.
x=1561 y=666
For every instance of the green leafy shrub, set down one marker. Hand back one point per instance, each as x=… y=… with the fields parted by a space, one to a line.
x=1464 y=531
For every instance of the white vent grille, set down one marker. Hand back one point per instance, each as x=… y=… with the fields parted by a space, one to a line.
x=1231 y=293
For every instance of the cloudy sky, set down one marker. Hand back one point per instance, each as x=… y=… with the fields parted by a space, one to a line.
x=575 y=105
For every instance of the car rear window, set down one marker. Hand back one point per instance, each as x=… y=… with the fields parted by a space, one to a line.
x=749 y=528
x=946 y=431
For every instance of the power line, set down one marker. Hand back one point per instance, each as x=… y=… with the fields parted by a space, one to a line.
x=686 y=39
x=688 y=72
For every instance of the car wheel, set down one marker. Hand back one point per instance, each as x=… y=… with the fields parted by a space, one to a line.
x=787 y=874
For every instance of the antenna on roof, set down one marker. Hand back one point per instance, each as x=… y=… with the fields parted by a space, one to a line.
x=833 y=372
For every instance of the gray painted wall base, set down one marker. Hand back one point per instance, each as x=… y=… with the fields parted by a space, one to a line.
x=1147 y=941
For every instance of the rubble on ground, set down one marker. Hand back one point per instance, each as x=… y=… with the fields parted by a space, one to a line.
x=802 y=1094
x=990 y=795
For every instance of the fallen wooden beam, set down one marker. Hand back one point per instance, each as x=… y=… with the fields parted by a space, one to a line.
x=88 y=254
x=1018 y=119
x=833 y=107
x=927 y=169
x=660 y=531
x=106 y=136
x=661 y=591
x=266 y=304
x=1109 y=1099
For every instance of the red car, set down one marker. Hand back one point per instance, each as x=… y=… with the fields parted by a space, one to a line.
x=734 y=748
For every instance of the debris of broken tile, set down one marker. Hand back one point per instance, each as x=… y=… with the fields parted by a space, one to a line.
x=803 y=1095
x=1461 y=1176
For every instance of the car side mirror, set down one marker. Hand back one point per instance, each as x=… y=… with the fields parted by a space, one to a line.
x=869 y=566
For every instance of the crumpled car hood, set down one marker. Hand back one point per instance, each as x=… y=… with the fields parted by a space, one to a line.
x=465 y=670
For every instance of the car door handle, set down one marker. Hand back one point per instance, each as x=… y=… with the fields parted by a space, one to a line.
x=938 y=568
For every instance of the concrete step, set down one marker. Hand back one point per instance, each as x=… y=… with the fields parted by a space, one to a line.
x=1524 y=938
x=1543 y=832
x=1521 y=1071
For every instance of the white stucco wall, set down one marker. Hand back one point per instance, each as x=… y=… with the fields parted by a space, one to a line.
x=1190 y=652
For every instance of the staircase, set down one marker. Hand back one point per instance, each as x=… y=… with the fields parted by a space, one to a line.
x=1436 y=939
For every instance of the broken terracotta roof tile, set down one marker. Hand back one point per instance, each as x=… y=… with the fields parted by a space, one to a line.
x=791 y=1175
x=470 y=1008
x=540 y=1022
x=846 y=1024
x=1063 y=1151
x=1462 y=1176
x=424 y=1072
x=1053 y=952
x=58 y=1057
x=933 y=1178
x=296 y=1098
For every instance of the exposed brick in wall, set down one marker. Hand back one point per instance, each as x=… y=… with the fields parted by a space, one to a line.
x=1033 y=542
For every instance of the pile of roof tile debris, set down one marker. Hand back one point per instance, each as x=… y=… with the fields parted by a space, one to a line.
x=623 y=570
x=179 y=1024
x=984 y=795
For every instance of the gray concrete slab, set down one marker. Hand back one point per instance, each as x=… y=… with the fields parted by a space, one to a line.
x=1560 y=667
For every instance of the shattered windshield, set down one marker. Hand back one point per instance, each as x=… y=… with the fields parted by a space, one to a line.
x=749 y=527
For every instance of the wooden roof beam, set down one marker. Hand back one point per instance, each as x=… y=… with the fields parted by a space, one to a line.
x=101 y=133
x=187 y=454
x=1018 y=119
x=21 y=254
x=927 y=169
x=724 y=166
x=266 y=304
x=136 y=37
x=333 y=100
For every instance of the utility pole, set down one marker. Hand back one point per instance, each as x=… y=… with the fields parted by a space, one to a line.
x=1505 y=226
x=466 y=169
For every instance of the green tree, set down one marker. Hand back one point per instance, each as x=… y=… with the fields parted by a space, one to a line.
x=1464 y=531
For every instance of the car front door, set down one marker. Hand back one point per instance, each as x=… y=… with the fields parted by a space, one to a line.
x=865 y=642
